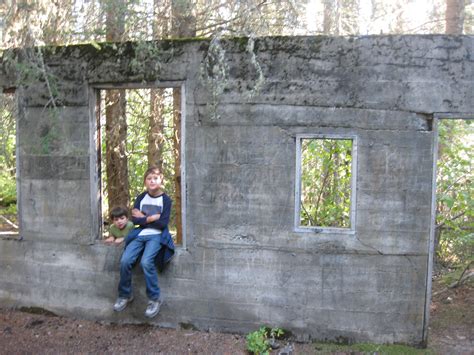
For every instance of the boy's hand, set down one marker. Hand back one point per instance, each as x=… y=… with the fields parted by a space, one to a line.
x=153 y=218
x=137 y=213
x=109 y=240
x=119 y=240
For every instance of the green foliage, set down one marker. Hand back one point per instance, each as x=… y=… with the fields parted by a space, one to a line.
x=326 y=182
x=214 y=74
x=258 y=341
x=455 y=193
x=7 y=135
x=368 y=348
x=145 y=50
x=260 y=79
x=7 y=150
x=7 y=190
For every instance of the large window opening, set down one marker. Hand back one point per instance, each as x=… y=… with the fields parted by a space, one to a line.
x=139 y=128
x=454 y=223
x=8 y=181
x=324 y=193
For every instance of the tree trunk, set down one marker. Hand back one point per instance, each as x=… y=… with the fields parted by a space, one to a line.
x=183 y=21
x=116 y=158
x=328 y=16
x=156 y=137
x=454 y=17
x=116 y=123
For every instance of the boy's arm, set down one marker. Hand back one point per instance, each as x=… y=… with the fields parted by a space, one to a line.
x=141 y=221
x=113 y=231
x=162 y=222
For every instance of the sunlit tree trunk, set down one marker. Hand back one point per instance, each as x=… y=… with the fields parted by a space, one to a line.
x=116 y=158
x=156 y=136
x=328 y=20
x=341 y=17
x=454 y=17
x=183 y=25
x=183 y=19
x=115 y=119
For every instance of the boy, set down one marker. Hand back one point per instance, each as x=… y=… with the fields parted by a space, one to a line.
x=151 y=212
x=120 y=227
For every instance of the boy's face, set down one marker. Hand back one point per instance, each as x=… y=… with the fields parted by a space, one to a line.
x=120 y=222
x=153 y=182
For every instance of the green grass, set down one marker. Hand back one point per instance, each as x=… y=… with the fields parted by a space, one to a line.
x=368 y=348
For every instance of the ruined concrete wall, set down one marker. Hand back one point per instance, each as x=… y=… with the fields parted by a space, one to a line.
x=243 y=264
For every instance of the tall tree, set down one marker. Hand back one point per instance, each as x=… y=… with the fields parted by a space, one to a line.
x=329 y=14
x=341 y=17
x=115 y=118
x=454 y=16
x=156 y=136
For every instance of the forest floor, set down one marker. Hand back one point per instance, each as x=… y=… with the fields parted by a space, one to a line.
x=28 y=332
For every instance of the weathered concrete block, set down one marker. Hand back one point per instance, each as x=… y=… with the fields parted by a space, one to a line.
x=48 y=167
x=54 y=131
x=64 y=93
x=50 y=216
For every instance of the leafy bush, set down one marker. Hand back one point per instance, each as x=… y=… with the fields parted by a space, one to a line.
x=7 y=190
x=455 y=193
x=258 y=341
x=326 y=182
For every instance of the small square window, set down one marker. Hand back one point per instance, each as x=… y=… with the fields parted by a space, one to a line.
x=324 y=191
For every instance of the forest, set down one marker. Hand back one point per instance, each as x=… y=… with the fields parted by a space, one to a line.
x=141 y=127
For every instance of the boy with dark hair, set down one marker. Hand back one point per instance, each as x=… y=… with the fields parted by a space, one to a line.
x=120 y=226
x=152 y=240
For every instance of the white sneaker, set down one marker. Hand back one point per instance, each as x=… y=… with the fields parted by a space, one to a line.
x=122 y=303
x=153 y=308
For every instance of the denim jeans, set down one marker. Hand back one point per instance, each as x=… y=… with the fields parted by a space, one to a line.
x=150 y=245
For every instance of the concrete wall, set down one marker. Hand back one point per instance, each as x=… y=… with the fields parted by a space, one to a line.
x=243 y=264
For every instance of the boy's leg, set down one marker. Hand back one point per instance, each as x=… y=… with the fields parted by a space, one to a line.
x=129 y=257
x=152 y=247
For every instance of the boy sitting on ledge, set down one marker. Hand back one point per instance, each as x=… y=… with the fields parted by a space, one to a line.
x=120 y=227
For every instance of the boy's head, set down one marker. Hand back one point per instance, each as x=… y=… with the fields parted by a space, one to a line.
x=153 y=180
x=119 y=216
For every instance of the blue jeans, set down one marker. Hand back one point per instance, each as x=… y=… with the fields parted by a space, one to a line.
x=150 y=245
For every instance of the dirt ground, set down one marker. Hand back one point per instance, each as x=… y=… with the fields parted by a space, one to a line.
x=451 y=327
x=22 y=332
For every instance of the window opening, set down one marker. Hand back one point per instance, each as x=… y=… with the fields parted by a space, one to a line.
x=8 y=181
x=139 y=128
x=454 y=224
x=324 y=185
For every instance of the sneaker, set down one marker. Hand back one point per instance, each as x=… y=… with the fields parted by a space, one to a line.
x=122 y=303
x=153 y=308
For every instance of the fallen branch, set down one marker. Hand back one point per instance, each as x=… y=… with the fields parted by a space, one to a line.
x=462 y=279
x=9 y=222
x=9 y=233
